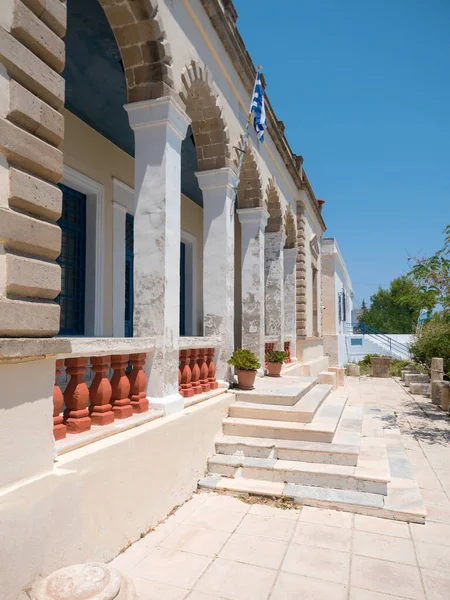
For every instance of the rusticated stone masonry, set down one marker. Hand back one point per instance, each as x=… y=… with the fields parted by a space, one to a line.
x=32 y=57
x=301 y=272
x=250 y=187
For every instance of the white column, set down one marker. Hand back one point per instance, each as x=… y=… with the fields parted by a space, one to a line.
x=218 y=260
x=290 y=259
x=159 y=128
x=274 y=286
x=253 y=223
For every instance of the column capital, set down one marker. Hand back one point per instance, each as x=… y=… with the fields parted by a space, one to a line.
x=257 y=216
x=217 y=178
x=162 y=111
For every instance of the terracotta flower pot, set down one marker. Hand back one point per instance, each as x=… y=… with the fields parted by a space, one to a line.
x=274 y=369
x=246 y=379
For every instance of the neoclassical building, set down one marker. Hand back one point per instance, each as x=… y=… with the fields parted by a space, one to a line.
x=124 y=247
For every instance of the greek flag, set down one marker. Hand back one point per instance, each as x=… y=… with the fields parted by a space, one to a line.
x=257 y=107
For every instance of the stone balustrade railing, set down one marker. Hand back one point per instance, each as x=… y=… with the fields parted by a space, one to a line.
x=287 y=349
x=197 y=369
x=116 y=391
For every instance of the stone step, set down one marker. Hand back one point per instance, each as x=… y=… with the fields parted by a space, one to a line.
x=285 y=391
x=314 y=452
x=346 y=500
x=322 y=429
x=311 y=474
x=303 y=411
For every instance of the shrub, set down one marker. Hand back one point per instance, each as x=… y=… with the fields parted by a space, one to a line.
x=396 y=367
x=366 y=360
x=276 y=356
x=244 y=360
x=433 y=342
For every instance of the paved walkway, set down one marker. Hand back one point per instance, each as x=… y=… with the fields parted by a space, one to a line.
x=219 y=547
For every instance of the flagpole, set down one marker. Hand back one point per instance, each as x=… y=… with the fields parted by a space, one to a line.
x=243 y=148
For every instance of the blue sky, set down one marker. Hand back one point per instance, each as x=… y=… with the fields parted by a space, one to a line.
x=363 y=87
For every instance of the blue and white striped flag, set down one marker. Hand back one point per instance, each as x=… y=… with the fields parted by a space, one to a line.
x=257 y=107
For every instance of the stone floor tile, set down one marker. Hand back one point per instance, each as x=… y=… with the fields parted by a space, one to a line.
x=200 y=596
x=214 y=517
x=382 y=526
x=437 y=497
x=433 y=556
x=172 y=567
x=385 y=577
x=190 y=506
x=426 y=478
x=264 y=510
x=444 y=477
x=160 y=533
x=320 y=563
x=135 y=554
x=236 y=581
x=207 y=542
x=259 y=551
x=433 y=533
x=360 y=594
x=152 y=590
x=439 y=514
x=293 y=587
x=323 y=536
x=437 y=584
x=270 y=527
x=321 y=516
x=226 y=502
x=385 y=547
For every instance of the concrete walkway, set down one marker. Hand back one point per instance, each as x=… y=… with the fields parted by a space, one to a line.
x=221 y=547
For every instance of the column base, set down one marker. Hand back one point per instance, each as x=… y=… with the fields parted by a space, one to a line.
x=169 y=404
x=140 y=406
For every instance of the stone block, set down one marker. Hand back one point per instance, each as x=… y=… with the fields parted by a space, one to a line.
x=31 y=113
x=406 y=370
x=419 y=389
x=340 y=375
x=22 y=318
x=34 y=196
x=416 y=378
x=51 y=12
x=353 y=370
x=26 y=151
x=436 y=392
x=22 y=233
x=31 y=278
x=29 y=70
x=380 y=366
x=437 y=369
x=445 y=399
x=37 y=37
x=329 y=378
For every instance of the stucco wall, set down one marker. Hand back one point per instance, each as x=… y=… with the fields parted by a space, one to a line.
x=101 y=497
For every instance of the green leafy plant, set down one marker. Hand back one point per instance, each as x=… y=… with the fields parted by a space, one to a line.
x=397 y=365
x=276 y=356
x=244 y=360
x=433 y=342
x=366 y=360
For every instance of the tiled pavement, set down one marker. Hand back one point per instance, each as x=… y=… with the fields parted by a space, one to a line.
x=219 y=547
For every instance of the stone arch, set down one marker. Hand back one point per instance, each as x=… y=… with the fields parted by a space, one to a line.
x=211 y=135
x=290 y=228
x=273 y=202
x=250 y=187
x=144 y=50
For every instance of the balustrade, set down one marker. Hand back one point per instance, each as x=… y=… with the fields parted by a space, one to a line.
x=59 y=429
x=287 y=349
x=197 y=371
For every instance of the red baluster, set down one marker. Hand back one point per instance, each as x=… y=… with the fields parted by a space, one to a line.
x=100 y=392
x=186 y=389
x=138 y=383
x=287 y=349
x=195 y=371
x=76 y=397
x=179 y=374
x=59 y=429
x=120 y=385
x=203 y=366
x=213 y=385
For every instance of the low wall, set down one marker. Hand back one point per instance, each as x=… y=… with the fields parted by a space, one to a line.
x=309 y=349
x=101 y=497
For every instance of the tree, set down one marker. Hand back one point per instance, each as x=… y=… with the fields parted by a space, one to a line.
x=433 y=274
x=395 y=310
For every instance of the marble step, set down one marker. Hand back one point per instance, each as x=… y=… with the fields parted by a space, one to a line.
x=303 y=411
x=285 y=391
x=322 y=428
x=313 y=452
x=388 y=507
x=311 y=474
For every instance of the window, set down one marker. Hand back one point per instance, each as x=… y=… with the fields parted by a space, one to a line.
x=73 y=262
x=129 y=274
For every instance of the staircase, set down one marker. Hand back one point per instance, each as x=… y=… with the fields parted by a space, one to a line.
x=291 y=437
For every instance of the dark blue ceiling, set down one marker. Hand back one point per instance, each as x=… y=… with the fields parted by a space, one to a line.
x=96 y=87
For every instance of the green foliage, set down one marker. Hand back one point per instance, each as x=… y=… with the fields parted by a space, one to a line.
x=395 y=310
x=396 y=367
x=244 y=360
x=432 y=274
x=366 y=359
x=276 y=356
x=434 y=341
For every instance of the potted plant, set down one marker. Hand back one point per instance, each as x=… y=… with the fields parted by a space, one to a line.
x=275 y=360
x=246 y=364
